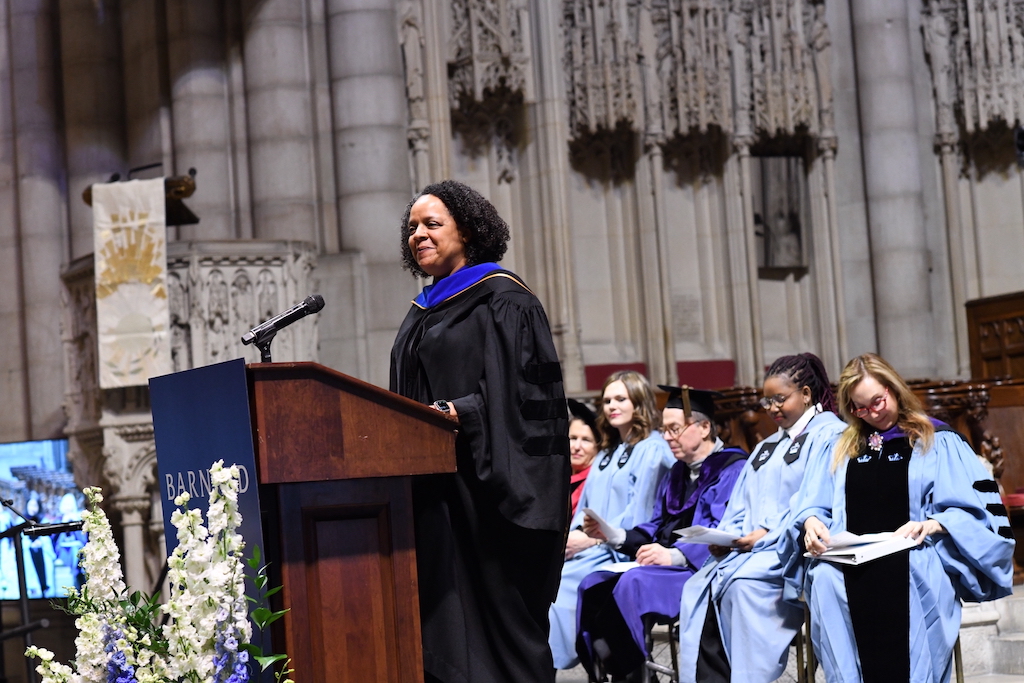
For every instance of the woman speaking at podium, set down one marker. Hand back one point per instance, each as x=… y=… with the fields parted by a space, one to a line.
x=476 y=344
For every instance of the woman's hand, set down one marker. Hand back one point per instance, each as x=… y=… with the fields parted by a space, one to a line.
x=746 y=543
x=592 y=529
x=816 y=536
x=720 y=550
x=920 y=530
x=577 y=542
x=653 y=553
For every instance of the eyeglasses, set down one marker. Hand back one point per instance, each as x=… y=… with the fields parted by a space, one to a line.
x=777 y=400
x=676 y=430
x=875 y=406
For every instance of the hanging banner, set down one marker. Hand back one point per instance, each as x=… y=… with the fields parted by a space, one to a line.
x=130 y=247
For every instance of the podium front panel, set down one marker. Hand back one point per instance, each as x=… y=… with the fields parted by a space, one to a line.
x=349 y=572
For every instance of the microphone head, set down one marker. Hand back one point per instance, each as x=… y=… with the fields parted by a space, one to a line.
x=314 y=303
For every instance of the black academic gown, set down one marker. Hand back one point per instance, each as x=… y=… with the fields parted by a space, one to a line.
x=489 y=539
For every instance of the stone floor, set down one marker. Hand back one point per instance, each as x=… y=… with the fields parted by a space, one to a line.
x=579 y=675
x=662 y=655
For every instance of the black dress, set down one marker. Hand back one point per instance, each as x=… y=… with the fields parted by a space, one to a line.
x=489 y=538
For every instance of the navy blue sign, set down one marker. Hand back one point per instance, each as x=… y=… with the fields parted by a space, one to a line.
x=201 y=416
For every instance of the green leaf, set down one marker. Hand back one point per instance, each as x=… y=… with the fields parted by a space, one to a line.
x=260 y=615
x=254 y=561
x=273 y=591
x=269 y=660
x=252 y=649
x=274 y=617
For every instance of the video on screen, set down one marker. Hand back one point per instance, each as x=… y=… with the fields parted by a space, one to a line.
x=36 y=475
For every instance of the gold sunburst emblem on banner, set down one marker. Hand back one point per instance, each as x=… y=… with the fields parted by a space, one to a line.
x=130 y=253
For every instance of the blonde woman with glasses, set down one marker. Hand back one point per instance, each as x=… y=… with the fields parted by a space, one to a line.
x=896 y=618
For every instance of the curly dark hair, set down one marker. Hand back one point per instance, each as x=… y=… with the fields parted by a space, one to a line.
x=485 y=232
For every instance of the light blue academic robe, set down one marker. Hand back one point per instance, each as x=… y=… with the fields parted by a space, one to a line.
x=972 y=562
x=623 y=496
x=757 y=626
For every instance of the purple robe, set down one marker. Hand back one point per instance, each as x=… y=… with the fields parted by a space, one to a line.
x=613 y=606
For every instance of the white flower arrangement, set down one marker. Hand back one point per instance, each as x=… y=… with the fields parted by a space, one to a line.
x=206 y=637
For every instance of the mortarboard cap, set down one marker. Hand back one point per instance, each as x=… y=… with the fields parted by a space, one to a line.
x=691 y=400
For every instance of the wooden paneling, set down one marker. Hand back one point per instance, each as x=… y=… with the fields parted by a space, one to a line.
x=334 y=456
x=349 y=572
x=314 y=424
x=995 y=332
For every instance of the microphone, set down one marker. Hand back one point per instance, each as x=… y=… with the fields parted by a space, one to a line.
x=49 y=529
x=311 y=304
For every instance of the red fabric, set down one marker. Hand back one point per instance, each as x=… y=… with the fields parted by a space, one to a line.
x=707 y=374
x=576 y=483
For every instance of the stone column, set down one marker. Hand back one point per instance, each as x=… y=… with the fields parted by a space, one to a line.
x=16 y=420
x=742 y=146
x=744 y=294
x=278 y=103
x=199 y=88
x=372 y=157
x=90 y=50
x=134 y=526
x=889 y=146
x=147 y=114
x=40 y=207
x=653 y=228
x=549 y=119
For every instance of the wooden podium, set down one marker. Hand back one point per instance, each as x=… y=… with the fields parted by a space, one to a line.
x=334 y=459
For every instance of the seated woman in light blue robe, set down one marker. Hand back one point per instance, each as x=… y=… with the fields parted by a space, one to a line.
x=734 y=624
x=621 y=488
x=896 y=618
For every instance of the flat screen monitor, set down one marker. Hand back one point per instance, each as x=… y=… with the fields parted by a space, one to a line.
x=36 y=475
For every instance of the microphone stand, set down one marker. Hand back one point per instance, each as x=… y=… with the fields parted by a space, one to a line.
x=263 y=344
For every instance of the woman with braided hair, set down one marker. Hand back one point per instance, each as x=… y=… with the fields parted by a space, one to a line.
x=733 y=622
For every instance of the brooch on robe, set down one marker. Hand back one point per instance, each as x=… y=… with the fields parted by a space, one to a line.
x=875 y=442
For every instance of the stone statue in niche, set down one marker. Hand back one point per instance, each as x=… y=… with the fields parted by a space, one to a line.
x=181 y=331
x=218 y=334
x=781 y=208
x=739 y=38
x=821 y=43
x=411 y=13
x=937 y=45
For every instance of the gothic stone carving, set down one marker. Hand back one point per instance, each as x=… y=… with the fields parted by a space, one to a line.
x=601 y=70
x=217 y=293
x=489 y=50
x=976 y=52
x=743 y=66
x=217 y=290
x=489 y=76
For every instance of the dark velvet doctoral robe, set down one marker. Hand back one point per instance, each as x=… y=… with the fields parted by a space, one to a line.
x=612 y=606
x=490 y=538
